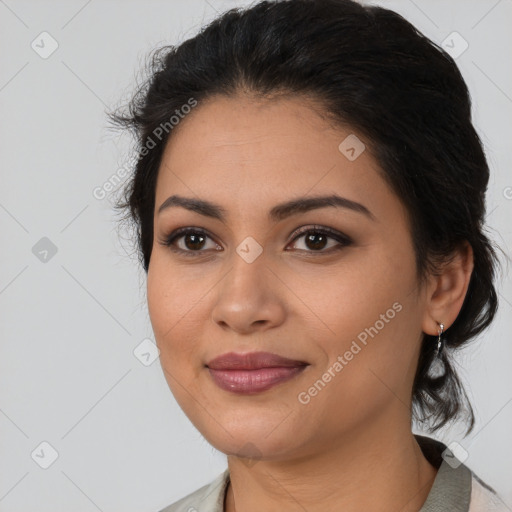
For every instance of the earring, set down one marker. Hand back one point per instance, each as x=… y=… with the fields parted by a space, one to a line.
x=440 y=341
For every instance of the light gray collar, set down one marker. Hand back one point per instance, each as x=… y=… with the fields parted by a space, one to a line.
x=452 y=486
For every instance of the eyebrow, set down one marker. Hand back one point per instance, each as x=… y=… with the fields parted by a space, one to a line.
x=277 y=213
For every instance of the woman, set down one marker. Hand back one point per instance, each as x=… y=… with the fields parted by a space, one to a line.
x=309 y=200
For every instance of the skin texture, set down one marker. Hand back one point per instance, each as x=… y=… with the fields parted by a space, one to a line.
x=351 y=447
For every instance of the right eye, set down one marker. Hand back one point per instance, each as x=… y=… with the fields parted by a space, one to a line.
x=193 y=241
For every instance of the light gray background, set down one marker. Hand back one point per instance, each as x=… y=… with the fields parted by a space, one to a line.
x=69 y=325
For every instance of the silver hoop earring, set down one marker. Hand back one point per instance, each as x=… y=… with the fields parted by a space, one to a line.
x=440 y=341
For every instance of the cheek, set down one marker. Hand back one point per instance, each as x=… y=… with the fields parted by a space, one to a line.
x=371 y=317
x=171 y=308
x=351 y=296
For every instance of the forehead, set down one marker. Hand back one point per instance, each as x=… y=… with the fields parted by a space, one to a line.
x=245 y=152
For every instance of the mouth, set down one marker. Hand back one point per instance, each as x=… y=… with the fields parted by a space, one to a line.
x=253 y=372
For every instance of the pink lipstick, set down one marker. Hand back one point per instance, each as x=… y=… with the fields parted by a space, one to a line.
x=252 y=372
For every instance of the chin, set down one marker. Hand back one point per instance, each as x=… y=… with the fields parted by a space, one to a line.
x=252 y=441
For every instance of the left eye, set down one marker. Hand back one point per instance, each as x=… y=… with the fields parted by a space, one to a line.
x=315 y=239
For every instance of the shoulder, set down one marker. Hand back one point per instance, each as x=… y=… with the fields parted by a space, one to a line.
x=485 y=498
x=209 y=498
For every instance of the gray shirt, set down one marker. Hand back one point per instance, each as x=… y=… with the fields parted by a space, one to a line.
x=455 y=489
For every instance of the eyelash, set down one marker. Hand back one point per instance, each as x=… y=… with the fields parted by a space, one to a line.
x=342 y=239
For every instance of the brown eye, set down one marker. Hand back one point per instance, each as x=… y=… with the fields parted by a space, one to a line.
x=316 y=239
x=193 y=240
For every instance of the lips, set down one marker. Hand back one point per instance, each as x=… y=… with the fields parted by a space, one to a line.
x=254 y=372
x=252 y=361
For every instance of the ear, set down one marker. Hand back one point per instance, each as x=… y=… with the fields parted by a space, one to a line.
x=446 y=290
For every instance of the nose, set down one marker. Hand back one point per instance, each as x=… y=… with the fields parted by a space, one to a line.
x=249 y=297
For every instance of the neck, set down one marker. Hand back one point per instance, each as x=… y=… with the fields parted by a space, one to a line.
x=382 y=470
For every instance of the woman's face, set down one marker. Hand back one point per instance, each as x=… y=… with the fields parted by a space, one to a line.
x=346 y=304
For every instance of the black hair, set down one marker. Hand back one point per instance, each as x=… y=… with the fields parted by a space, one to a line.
x=369 y=69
